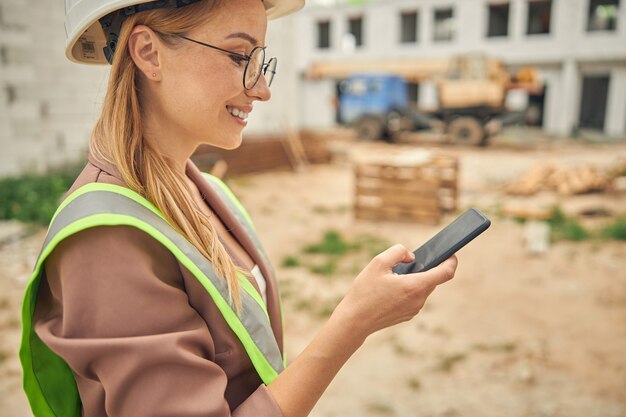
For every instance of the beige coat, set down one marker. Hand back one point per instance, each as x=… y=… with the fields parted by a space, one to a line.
x=140 y=333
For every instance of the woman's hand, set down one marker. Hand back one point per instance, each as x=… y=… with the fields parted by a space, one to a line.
x=379 y=298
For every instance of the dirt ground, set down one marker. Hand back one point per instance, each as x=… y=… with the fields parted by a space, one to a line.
x=513 y=334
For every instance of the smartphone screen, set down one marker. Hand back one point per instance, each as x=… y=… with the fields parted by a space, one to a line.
x=447 y=242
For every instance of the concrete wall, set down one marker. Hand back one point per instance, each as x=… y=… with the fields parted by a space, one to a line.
x=48 y=105
x=281 y=112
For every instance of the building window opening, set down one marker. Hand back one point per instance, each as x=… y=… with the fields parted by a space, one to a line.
x=355 y=28
x=408 y=27
x=602 y=15
x=444 y=29
x=498 y=20
x=593 y=101
x=323 y=34
x=535 y=110
x=539 y=16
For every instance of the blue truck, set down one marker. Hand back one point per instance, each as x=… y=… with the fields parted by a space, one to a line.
x=471 y=107
x=377 y=106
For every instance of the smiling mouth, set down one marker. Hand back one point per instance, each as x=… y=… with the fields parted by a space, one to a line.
x=237 y=113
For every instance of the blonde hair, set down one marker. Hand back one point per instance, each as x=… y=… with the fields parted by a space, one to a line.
x=118 y=138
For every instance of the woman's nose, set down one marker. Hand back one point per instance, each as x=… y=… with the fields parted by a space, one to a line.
x=260 y=90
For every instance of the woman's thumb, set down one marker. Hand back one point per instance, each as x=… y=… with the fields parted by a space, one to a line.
x=392 y=256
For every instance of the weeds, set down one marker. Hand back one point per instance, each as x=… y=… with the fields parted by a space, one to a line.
x=506 y=347
x=304 y=305
x=381 y=408
x=332 y=244
x=290 y=262
x=447 y=362
x=34 y=198
x=566 y=228
x=328 y=268
x=616 y=230
x=335 y=254
x=400 y=348
x=414 y=383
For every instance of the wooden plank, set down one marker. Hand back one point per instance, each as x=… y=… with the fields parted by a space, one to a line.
x=395 y=173
x=399 y=201
x=414 y=187
x=391 y=214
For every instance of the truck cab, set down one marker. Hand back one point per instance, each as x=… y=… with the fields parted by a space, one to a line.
x=375 y=104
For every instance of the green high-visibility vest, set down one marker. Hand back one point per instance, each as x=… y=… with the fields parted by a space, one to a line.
x=48 y=381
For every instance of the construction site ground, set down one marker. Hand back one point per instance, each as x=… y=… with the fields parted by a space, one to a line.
x=513 y=334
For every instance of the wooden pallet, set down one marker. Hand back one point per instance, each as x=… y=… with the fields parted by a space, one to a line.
x=411 y=193
x=448 y=172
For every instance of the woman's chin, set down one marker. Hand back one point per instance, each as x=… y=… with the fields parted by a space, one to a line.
x=229 y=143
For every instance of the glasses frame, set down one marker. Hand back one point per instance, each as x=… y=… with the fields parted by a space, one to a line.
x=264 y=67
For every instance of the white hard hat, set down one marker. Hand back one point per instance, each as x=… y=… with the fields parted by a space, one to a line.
x=87 y=40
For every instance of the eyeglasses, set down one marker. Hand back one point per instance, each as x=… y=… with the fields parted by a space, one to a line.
x=255 y=63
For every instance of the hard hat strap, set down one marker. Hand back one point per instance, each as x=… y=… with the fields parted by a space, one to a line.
x=112 y=23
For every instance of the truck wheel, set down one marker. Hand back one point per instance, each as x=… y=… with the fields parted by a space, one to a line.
x=369 y=129
x=466 y=130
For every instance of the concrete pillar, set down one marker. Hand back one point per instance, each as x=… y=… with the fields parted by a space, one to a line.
x=519 y=12
x=426 y=25
x=569 y=100
x=552 y=102
x=615 y=124
x=316 y=104
x=281 y=111
x=470 y=23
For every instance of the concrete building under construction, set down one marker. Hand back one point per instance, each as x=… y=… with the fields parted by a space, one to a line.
x=577 y=46
x=48 y=105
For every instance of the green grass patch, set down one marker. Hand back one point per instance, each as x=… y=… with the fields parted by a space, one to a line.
x=566 y=228
x=290 y=262
x=615 y=230
x=335 y=254
x=304 y=305
x=380 y=409
x=414 y=383
x=506 y=347
x=34 y=198
x=332 y=243
x=447 y=362
x=327 y=268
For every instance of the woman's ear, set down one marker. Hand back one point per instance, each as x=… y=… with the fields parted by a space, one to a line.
x=143 y=46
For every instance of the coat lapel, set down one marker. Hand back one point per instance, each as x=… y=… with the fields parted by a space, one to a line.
x=238 y=230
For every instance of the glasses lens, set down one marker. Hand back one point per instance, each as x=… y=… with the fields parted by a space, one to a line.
x=254 y=68
x=269 y=71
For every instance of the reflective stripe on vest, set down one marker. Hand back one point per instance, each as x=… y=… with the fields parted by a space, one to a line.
x=48 y=380
x=242 y=215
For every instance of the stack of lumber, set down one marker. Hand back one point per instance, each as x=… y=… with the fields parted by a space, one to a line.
x=447 y=168
x=418 y=192
x=563 y=180
x=265 y=153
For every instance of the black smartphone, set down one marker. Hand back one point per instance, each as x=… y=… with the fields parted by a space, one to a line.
x=446 y=243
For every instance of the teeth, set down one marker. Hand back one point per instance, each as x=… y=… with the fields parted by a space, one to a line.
x=238 y=113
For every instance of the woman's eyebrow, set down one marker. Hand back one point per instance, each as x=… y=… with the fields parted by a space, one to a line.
x=243 y=35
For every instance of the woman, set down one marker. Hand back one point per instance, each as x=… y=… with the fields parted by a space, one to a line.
x=152 y=296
